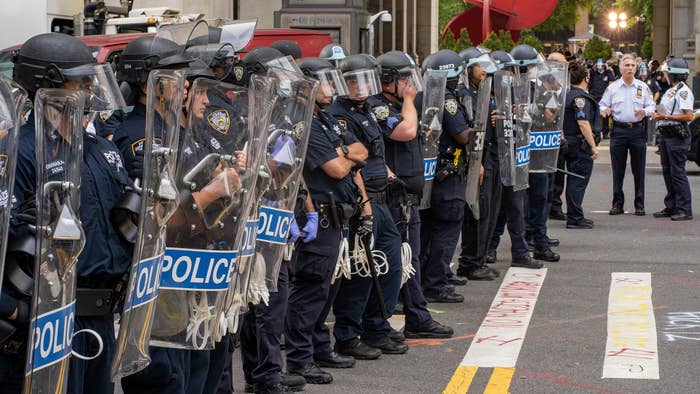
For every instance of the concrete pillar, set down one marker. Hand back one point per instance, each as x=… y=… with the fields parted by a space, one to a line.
x=661 y=29
x=427 y=28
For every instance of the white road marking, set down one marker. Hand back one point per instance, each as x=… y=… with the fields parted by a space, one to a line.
x=498 y=341
x=631 y=350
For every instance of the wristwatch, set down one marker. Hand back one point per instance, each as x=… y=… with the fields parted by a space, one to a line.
x=345 y=149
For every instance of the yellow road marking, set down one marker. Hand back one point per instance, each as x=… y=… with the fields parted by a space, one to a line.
x=461 y=380
x=500 y=381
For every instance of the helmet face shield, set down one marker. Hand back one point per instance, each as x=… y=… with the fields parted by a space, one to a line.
x=102 y=92
x=285 y=63
x=486 y=63
x=412 y=76
x=362 y=83
x=331 y=82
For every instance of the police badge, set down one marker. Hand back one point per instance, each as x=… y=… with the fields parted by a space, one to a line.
x=220 y=121
x=299 y=129
x=639 y=92
x=238 y=73
x=3 y=164
x=381 y=112
x=451 y=106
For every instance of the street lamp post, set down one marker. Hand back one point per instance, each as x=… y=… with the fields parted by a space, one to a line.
x=385 y=17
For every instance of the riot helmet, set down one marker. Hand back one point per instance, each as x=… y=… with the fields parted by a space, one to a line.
x=677 y=69
x=526 y=57
x=398 y=67
x=288 y=48
x=333 y=52
x=446 y=60
x=360 y=74
x=149 y=53
x=502 y=59
x=54 y=60
x=477 y=58
x=331 y=81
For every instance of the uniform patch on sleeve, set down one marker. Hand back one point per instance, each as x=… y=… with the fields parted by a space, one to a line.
x=238 y=73
x=220 y=121
x=137 y=146
x=683 y=94
x=105 y=115
x=381 y=112
x=580 y=102
x=113 y=158
x=451 y=106
x=299 y=128
x=343 y=123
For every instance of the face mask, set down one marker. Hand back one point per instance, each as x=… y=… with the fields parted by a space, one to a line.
x=285 y=88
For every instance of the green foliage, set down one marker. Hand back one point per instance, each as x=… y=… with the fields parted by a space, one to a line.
x=646 y=47
x=528 y=37
x=456 y=45
x=448 y=9
x=501 y=41
x=597 y=48
x=563 y=17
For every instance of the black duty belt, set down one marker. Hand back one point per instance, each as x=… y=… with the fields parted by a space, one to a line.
x=97 y=297
x=344 y=212
x=628 y=125
x=377 y=197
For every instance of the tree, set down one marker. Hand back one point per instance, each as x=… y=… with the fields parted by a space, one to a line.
x=448 y=9
x=597 y=49
x=564 y=16
x=646 y=47
x=449 y=42
x=501 y=41
x=529 y=38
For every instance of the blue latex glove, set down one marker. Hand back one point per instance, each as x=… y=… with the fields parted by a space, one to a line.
x=310 y=230
x=293 y=231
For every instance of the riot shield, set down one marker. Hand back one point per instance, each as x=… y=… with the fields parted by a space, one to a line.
x=547 y=116
x=238 y=33
x=522 y=121
x=60 y=237
x=263 y=100
x=186 y=34
x=476 y=145
x=431 y=127
x=11 y=101
x=503 y=88
x=289 y=127
x=159 y=201
x=214 y=177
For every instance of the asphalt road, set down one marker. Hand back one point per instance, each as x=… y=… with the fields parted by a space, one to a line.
x=565 y=345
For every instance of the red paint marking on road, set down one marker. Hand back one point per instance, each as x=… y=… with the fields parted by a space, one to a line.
x=435 y=342
x=562 y=380
x=633 y=353
x=502 y=342
x=604 y=187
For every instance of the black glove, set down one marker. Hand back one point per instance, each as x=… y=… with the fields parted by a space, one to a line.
x=365 y=225
x=23 y=311
x=26 y=212
x=136 y=170
x=563 y=148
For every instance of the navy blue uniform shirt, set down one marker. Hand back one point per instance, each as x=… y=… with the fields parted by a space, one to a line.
x=361 y=122
x=325 y=137
x=454 y=121
x=579 y=105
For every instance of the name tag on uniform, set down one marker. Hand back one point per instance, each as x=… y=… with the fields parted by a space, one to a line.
x=197 y=269
x=274 y=225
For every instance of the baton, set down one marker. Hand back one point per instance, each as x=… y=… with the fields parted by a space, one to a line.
x=375 y=278
x=566 y=172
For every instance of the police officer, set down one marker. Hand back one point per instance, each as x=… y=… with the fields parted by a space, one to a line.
x=580 y=116
x=644 y=76
x=527 y=58
x=357 y=308
x=288 y=48
x=331 y=155
x=45 y=61
x=334 y=53
x=601 y=77
x=557 y=187
x=476 y=233
x=512 y=210
x=677 y=104
x=629 y=101
x=263 y=325
x=396 y=113
x=442 y=222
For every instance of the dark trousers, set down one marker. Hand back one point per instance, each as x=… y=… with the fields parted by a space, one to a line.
x=512 y=213
x=92 y=376
x=578 y=161
x=633 y=141
x=260 y=335
x=415 y=307
x=477 y=233
x=557 y=187
x=674 y=153
x=356 y=308
x=310 y=297
x=218 y=359
x=168 y=372
x=440 y=228
x=538 y=208
x=12 y=372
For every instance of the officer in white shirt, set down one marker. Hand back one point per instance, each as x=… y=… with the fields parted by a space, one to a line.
x=629 y=101
x=673 y=115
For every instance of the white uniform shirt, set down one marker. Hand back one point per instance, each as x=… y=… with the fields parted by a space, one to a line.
x=624 y=99
x=674 y=101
